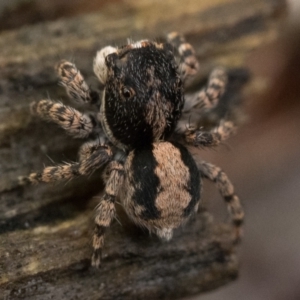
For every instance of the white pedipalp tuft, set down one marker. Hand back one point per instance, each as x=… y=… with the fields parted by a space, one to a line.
x=99 y=66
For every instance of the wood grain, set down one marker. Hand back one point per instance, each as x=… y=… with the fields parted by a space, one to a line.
x=45 y=231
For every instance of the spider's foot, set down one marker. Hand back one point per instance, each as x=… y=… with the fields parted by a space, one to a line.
x=96 y=258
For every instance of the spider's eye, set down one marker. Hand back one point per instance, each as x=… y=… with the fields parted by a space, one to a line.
x=127 y=92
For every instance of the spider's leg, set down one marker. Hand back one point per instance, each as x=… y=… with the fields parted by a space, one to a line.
x=75 y=123
x=88 y=149
x=210 y=95
x=226 y=189
x=74 y=83
x=188 y=63
x=105 y=211
x=203 y=101
x=200 y=138
x=98 y=156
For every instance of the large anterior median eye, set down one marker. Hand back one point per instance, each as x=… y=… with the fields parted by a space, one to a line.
x=127 y=92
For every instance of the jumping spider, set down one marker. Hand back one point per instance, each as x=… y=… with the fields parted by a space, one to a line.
x=142 y=112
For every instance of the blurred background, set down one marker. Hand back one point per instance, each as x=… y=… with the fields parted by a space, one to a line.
x=262 y=160
x=264 y=164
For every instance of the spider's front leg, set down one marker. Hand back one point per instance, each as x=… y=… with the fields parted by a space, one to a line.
x=74 y=83
x=105 y=211
x=92 y=156
x=226 y=189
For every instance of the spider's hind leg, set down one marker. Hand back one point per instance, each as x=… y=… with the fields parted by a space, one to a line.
x=226 y=189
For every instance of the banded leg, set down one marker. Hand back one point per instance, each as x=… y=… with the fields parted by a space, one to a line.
x=94 y=159
x=74 y=83
x=105 y=211
x=89 y=148
x=210 y=96
x=226 y=189
x=75 y=123
x=202 y=102
x=199 y=138
x=188 y=63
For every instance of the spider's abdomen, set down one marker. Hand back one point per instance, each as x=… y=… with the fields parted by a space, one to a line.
x=161 y=187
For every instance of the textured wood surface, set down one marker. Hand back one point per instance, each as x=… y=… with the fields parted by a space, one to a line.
x=45 y=231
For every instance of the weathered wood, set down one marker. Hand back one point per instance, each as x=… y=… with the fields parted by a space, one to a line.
x=45 y=230
x=135 y=266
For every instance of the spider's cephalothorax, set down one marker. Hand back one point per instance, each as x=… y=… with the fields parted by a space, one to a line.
x=143 y=95
x=143 y=117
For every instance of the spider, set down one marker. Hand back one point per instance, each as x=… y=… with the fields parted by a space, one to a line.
x=140 y=135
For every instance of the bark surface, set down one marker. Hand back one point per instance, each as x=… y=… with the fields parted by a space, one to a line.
x=45 y=231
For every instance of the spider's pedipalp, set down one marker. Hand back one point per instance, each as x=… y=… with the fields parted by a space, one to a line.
x=105 y=211
x=75 y=123
x=99 y=65
x=188 y=64
x=74 y=83
x=226 y=189
x=86 y=165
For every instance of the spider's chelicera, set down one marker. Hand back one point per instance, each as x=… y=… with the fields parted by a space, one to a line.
x=143 y=124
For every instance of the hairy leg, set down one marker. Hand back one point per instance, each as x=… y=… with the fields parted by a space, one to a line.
x=188 y=63
x=226 y=189
x=105 y=211
x=96 y=157
x=74 y=83
x=75 y=123
x=200 y=138
x=202 y=102
x=210 y=95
